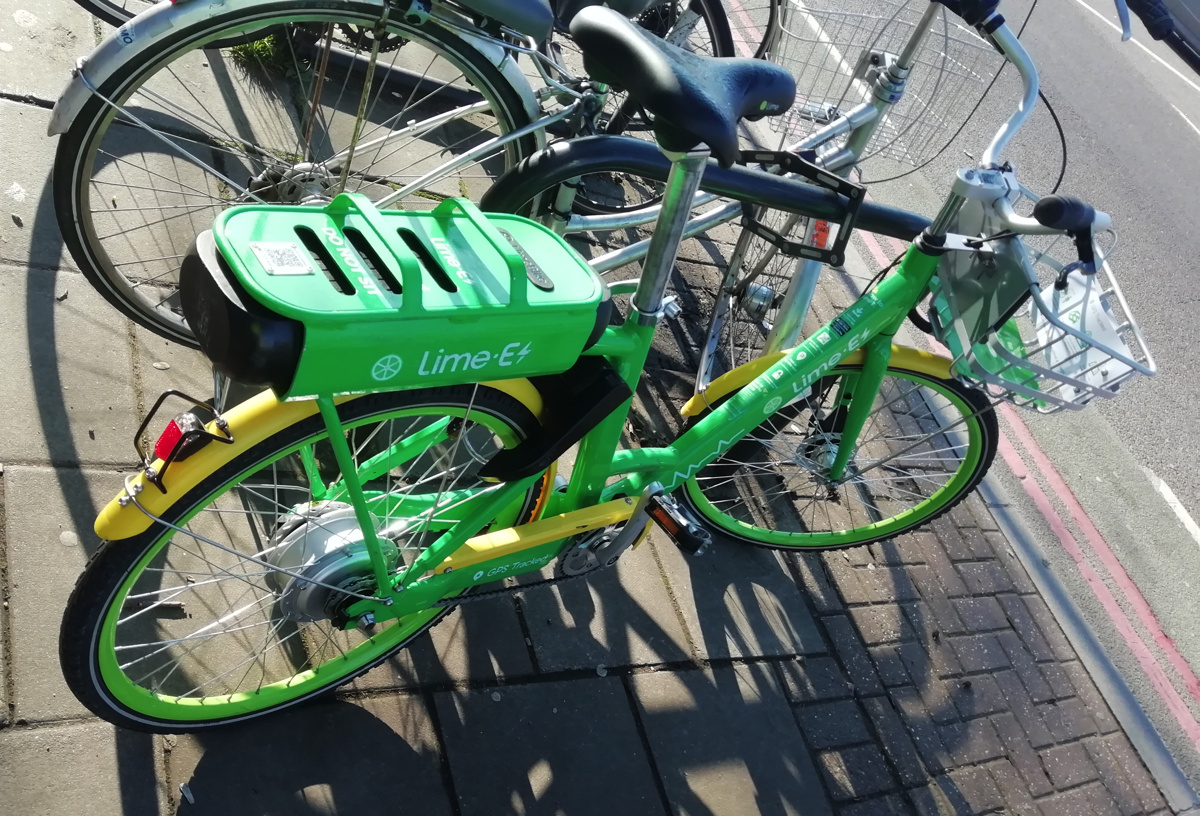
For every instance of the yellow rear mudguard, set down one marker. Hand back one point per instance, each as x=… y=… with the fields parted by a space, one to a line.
x=254 y=420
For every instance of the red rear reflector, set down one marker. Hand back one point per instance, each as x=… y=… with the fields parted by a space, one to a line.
x=167 y=440
x=179 y=427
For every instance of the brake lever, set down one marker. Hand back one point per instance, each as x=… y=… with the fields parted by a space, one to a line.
x=1123 y=14
x=1085 y=245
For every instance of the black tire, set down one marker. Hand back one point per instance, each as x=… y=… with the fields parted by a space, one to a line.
x=128 y=205
x=753 y=26
x=181 y=608
x=537 y=178
x=114 y=12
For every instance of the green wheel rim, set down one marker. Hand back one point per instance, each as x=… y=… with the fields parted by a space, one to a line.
x=348 y=663
x=968 y=473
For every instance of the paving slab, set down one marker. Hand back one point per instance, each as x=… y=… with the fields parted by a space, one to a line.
x=374 y=756
x=725 y=742
x=622 y=616
x=569 y=747
x=858 y=772
x=739 y=601
x=49 y=514
x=477 y=643
x=28 y=232
x=39 y=44
x=66 y=367
x=164 y=365
x=90 y=768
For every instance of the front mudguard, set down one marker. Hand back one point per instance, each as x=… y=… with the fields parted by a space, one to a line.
x=910 y=359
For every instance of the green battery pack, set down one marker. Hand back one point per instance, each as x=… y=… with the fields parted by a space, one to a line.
x=346 y=298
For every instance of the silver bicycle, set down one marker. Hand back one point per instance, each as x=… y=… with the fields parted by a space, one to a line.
x=884 y=86
x=189 y=108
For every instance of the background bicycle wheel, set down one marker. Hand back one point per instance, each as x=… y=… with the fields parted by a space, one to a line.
x=753 y=25
x=262 y=105
x=697 y=26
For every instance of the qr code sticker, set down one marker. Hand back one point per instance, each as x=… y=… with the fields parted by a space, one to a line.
x=281 y=258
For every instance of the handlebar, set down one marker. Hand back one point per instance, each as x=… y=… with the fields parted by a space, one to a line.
x=1058 y=213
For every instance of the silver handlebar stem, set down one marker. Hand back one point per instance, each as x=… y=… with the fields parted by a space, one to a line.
x=909 y=55
x=1004 y=39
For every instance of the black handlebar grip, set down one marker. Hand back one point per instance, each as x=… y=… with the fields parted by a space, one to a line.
x=973 y=12
x=1064 y=213
x=1154 y=16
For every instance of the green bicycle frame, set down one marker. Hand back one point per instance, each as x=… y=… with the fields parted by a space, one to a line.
x=602 y=472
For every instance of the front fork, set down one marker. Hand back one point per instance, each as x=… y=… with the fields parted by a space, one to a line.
x=910 y=282
x=861 y=401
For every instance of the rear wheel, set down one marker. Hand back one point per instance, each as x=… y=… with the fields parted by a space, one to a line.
x=180 y=630
x=281 y=104
x=925 y=446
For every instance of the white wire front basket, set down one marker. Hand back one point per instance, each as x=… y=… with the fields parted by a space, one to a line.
x=1033 y=330
x=828 y=47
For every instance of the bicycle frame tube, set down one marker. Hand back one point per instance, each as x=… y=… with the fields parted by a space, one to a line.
x=870 y=322
x=455 y=532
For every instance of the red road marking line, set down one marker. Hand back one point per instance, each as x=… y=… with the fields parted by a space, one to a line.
x=1107 y=557
x=1146 y=658
x=874 y=248
x=748 y=24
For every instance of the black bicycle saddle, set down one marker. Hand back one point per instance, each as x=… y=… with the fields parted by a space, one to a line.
x=692 y=98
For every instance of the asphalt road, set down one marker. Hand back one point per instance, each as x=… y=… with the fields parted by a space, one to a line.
x=1132 y=141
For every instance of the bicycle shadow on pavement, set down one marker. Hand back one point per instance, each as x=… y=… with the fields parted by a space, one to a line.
x=869 y=699
x=377 y=756
x=135 y=753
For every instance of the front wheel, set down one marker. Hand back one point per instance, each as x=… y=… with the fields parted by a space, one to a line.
x=192 y=626
x=925 y=446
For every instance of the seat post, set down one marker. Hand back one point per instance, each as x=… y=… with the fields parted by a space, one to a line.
x=686 y=171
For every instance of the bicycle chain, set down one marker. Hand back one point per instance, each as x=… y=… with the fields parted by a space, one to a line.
x=483 y=596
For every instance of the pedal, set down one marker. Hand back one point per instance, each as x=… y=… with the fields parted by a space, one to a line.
x=678 y=522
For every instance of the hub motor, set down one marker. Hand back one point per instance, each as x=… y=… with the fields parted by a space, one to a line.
x=757 y=300
x=303 y=183
x=322 y=542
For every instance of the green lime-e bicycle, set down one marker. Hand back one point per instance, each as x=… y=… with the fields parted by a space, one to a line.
x=427 y=370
